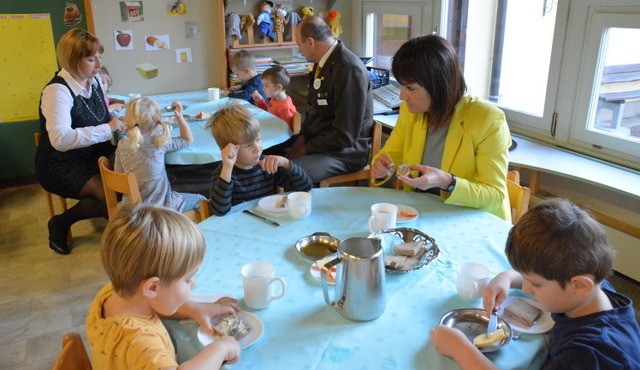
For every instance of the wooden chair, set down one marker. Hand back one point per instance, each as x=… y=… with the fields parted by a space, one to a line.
x=73 y=355
x=63 y=201
x=115 y=183
x=519 y=196
x=363 y=174
x=297 y=122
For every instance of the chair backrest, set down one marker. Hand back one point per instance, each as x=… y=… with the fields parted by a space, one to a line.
x=364 y=174
x=514 y=176
x=73 y=355
x=115 y=183
x=519 y=197
x=297 y=122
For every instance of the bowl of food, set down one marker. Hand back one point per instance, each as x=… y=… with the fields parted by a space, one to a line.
x=406 y=249
x=473 y=323
x=317 y=246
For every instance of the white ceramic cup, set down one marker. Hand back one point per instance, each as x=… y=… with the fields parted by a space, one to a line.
x=299 y=204
x=214 y=93
x=133 y=96
x=257 y=281
x=472 y=277
x=383 y=216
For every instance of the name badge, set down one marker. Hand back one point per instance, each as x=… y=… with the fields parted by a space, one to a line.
x=317 y=83
x=322 y=101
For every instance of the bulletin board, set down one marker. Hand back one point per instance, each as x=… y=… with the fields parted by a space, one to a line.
x=29 y=58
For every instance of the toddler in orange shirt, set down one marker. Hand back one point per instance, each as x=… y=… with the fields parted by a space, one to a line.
x=275 y=81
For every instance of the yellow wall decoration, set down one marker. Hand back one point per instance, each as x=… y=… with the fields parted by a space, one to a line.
x=27 y=63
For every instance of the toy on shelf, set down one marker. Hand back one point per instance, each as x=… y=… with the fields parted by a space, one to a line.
x=306 y=11
x=232 y=23
x=333 y=18
x=264 y=20
x=279 y=22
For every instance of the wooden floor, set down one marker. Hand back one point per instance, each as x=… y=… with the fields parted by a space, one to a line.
x=44 y=295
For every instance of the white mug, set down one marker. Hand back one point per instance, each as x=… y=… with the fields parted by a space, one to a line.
x=472 y=277
x=214 y=93
x=299 y=204
x=134 y=96
x=383 y=216
x=257 y=281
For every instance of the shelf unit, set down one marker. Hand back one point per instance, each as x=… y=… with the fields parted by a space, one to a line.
x=268 y=54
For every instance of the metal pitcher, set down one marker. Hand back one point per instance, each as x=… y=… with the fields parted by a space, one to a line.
x=359 y=289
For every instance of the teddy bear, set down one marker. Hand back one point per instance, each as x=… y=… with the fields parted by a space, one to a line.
x=264 y=20
x=247 y=22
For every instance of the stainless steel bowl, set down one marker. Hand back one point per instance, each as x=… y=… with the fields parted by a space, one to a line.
x=473 y=322
x=317 y=246
x=391 y=237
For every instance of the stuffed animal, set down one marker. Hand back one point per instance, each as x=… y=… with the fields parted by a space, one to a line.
x=264 y=20
x=333 y=18
x=232 y=22
x=292 y=19
x=306 y=11
x=247 y=22
x=280 y=21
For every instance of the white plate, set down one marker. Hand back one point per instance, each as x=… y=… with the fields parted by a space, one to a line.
x=407 y=209
x=252 y=320
x=270 y=204
x=543 y=324
x=316 y=267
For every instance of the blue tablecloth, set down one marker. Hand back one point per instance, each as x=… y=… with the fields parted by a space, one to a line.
x=204 y=149
x=302 y=332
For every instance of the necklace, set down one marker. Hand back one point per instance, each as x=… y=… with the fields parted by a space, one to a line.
x=102 y=110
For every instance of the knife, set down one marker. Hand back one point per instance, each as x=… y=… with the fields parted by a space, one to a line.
x=493 y=323
x=260 y=217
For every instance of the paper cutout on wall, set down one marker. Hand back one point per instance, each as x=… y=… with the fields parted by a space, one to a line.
x=184 y=56
x=157 y=42
x=147 y=70
x=28 y=62
x=123 y=39
x=176 y=7
x=71 y=15
x=131 y=11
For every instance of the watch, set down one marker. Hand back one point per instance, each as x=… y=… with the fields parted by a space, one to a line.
x=452 y=185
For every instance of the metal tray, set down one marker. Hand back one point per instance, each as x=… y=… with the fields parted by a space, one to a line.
x=473 y=322
x=391 y=237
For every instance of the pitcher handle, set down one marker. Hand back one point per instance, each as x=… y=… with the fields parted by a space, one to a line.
x=325 y=271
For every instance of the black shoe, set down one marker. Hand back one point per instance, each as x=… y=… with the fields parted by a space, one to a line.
x=58 y=238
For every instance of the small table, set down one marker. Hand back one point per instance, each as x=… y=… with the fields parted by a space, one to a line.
x=302 y=332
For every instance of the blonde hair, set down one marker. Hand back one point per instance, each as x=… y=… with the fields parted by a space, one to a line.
x=233 y=124
x=145 y=240
x=243 y=60
x=143 y=113
x=74 y=45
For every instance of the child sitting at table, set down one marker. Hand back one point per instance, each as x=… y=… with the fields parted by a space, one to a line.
x=243 y=65
x=150 y=254
x=560 y=256
x=142 y=152
x=275 y=81
x=114 y=104
x=246 y=174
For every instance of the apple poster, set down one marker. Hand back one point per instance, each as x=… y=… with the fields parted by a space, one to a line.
x=123 y=39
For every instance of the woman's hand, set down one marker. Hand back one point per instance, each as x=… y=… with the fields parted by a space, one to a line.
x=116 y=124
x=271 y=163
x=428 y=177
x=382 y=167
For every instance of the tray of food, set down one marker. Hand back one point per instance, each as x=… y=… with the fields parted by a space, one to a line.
x=406 y=249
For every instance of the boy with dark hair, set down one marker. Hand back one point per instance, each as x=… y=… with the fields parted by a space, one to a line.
x=561 y=256
x=276 y=80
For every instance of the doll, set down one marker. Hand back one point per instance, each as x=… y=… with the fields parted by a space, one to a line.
x=333 y=18
x=279 y=20
x=264 y=20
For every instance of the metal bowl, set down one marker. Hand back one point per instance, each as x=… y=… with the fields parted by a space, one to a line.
x=317 y=246
x=391 y=237
x=473 y=322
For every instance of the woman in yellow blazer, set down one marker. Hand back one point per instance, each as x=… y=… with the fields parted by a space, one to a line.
x=455 y=145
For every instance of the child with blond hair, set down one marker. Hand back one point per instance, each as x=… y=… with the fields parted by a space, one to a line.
x=560 y=256
x=275 y=81
x=142 y=152
x=243 y=65
x=245 y=173
x=151 y=255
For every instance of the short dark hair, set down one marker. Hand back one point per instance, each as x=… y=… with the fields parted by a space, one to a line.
x=315 y=28
x=558 y=240
x=278 y=75
x=431 y=62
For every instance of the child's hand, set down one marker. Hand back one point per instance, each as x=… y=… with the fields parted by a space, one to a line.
x=448 y=341
x=229 y=155
x=203 y=312
x=496 y=291
x=271 y=163
x=230 y=347
x=224 y=93
x=177 y=107
x=235 y=87
x=256 y=96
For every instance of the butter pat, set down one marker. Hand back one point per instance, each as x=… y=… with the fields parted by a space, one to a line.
x=147 y=70
x=484 y=340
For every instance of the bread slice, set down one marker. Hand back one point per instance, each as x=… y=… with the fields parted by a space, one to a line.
x=521 y=313
x=410 y=249
x=232 y=326
x=400 y=263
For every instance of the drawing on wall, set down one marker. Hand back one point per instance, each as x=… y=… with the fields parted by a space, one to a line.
x=147 y=70
x=192 y=30
x=184 y=56
x=123 y=39
x=131 y=11
x=71 y=15
x=176 y=7
x=157 y=42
